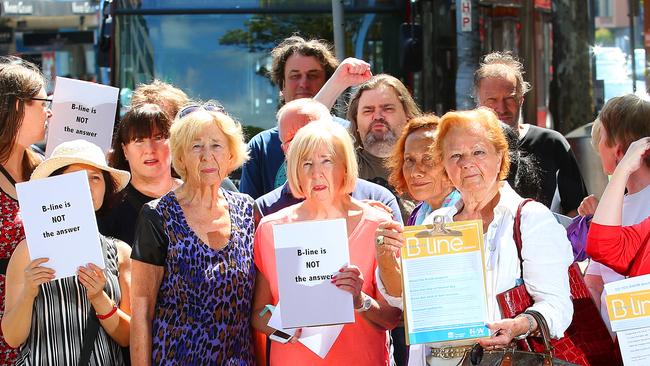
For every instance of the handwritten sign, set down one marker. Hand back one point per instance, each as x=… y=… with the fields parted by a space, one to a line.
x=60 y=226
x=82 y=110
x=307 y=255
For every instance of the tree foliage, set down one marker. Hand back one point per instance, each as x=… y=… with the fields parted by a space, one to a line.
x=262 y=32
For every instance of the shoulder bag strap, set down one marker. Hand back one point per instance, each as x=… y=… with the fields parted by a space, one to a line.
x=516 y=233
x=90 y=334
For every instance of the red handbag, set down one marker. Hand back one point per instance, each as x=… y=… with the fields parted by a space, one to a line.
x=587 y=341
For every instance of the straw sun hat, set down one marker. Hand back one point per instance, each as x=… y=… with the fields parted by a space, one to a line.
x=79 y=152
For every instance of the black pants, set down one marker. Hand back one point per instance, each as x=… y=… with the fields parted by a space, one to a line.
x=400 y=349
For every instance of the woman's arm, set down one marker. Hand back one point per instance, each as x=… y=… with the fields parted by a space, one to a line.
x=117 y=326
x=610 y=208
x=350 y=72
x=380 y=314
x=389 y=241
x=547 y=254
x=261 y=298
x=94 y=280
x=618 y=246
x=21 y=288
x=606 y=242
x=144 y=292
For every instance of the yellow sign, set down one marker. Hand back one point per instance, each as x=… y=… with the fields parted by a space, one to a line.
x=469 y=241
x=628 y=305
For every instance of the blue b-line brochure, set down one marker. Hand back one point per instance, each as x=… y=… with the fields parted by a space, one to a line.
x=443 y=277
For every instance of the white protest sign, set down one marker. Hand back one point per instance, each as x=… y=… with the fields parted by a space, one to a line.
x=307 y=255
x=81 y=110
x=59 y=221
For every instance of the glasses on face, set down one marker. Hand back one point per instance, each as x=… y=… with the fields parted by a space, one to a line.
x=210 y=107
x=47 y=102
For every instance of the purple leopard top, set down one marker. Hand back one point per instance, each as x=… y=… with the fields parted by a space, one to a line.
x=204 y=302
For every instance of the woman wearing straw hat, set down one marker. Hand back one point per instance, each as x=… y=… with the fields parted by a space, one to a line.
x=48 y=319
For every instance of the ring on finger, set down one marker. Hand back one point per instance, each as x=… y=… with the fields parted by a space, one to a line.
x=379 y=240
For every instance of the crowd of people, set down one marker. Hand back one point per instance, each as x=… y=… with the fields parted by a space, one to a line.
x=190 y=259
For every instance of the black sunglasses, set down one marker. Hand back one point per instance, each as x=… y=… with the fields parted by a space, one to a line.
x=210 y=107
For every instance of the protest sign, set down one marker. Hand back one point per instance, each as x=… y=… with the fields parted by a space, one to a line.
x=307 y=255
x=81 y=110
x=443 y=277
x=59 y=221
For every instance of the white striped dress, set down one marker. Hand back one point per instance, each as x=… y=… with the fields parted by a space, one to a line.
x=59 y=319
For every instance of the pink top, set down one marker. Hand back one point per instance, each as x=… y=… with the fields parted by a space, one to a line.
x=358 y=343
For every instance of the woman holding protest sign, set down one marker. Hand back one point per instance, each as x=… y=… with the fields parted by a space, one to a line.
x=322 y=169
x=413 y=172
x=47 y=318
x=193 y=270
x=473 y=150
x=24 y=110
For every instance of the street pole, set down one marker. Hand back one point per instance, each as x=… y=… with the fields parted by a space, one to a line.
x=468 y=46
x=631 y=14
x=338 y=22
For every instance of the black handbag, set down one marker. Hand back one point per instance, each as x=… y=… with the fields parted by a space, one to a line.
x=512 y=356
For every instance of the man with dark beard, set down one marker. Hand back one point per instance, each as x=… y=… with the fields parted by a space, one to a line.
x=378 y=110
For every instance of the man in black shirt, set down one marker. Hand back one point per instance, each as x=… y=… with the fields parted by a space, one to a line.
x=499 y=85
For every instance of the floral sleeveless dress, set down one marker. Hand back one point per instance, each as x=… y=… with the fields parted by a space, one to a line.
x=11 y=233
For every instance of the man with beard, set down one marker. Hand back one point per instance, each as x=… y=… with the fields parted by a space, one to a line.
x=292 y=117
x=499 y=84
x=378 y=110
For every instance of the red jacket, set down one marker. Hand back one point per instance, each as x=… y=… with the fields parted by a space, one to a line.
x=625 y=249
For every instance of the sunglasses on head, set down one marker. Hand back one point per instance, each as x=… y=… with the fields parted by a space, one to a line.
x=209 y=106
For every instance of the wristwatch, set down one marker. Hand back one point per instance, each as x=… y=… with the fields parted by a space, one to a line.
x=366 y=303
x=531 y=321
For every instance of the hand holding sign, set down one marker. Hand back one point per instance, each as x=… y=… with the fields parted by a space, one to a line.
x=35 y=276
x=93 y=279
x=61 y=228
x=350 y=279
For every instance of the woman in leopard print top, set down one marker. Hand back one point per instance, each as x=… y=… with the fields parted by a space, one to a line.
x=193 y=269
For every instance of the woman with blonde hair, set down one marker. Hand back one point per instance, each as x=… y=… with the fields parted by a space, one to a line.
x=193 y=271
x=322 y=169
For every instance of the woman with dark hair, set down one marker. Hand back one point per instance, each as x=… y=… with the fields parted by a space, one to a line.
x=140 y=146
x=55 y=322
x=24 y=110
